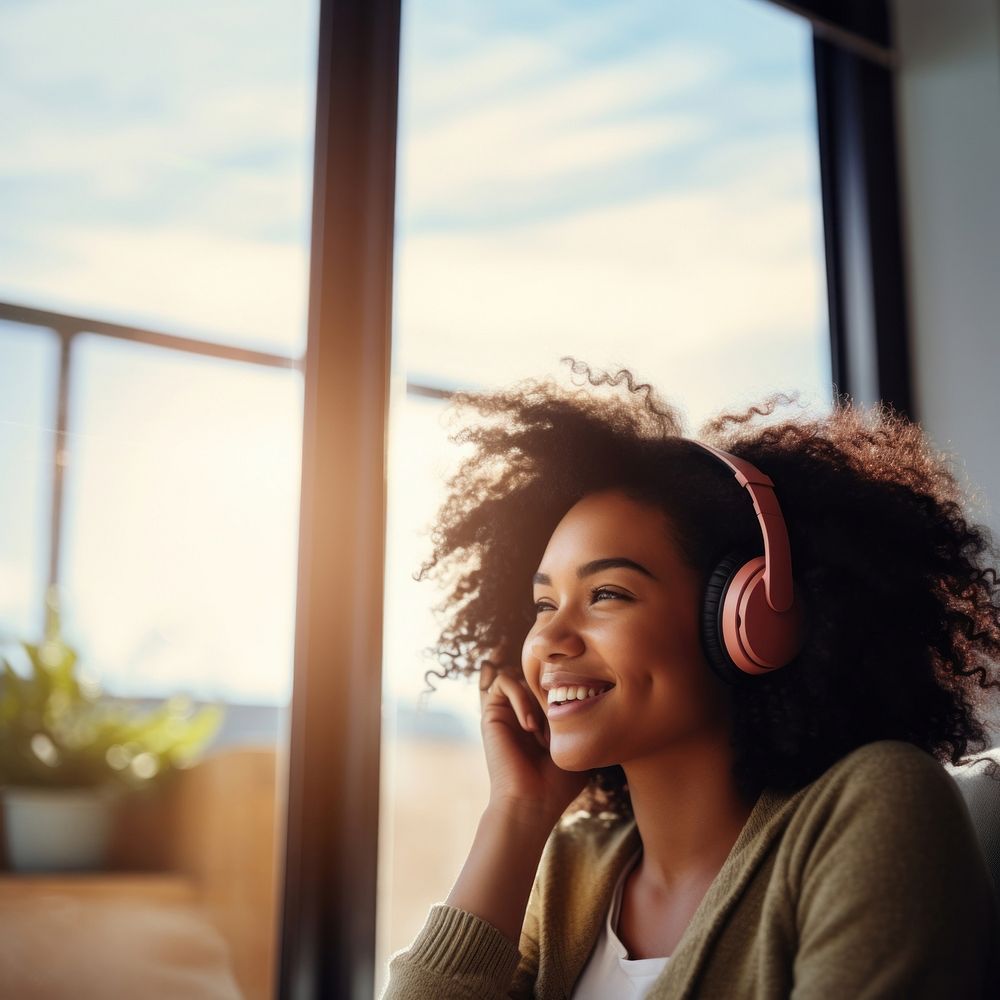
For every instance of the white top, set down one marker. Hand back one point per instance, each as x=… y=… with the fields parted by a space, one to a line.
x=609 y=971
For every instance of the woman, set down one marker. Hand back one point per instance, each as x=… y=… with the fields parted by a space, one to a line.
x=757 y=814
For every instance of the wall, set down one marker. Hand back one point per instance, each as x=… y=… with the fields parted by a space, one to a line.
x=948 y=112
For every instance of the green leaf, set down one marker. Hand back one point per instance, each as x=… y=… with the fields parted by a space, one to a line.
x=79 y=733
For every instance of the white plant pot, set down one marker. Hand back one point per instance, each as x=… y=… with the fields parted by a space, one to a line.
x=58 y=829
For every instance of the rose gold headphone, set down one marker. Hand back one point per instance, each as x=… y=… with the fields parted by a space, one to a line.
x=752 y=619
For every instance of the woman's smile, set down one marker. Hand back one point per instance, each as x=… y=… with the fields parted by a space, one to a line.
x=559 y=710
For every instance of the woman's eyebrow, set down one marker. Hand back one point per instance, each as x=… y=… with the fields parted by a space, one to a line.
x=596 y=566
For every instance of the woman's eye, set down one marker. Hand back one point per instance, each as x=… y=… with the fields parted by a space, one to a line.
x=599 y=593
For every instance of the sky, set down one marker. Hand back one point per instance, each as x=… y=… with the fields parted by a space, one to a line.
x=156 y=167
x=631 y=183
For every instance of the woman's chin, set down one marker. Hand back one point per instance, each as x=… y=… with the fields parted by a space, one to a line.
x=569 y=758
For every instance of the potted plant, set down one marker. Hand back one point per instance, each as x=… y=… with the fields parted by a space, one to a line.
x=68 y=754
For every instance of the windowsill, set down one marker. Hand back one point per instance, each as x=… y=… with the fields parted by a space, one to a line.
x=153 y=887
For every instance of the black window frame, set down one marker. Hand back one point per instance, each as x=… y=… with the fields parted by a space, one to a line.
x=854 y=63
x=332 y=822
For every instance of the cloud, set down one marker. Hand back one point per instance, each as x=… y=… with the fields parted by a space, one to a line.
x=180 y=113
x=720 y=265
x=528 y=130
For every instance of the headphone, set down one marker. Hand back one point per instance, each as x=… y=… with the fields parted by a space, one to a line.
x=752 y=621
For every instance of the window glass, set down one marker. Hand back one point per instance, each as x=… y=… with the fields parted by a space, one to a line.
x=634 y=185
x=182 y=491
x=28 y=360
x=156 y=164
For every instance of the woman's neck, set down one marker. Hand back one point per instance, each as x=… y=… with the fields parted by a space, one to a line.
x=688 y=812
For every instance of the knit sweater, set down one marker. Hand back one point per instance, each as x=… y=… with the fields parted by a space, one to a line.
x=868 y=883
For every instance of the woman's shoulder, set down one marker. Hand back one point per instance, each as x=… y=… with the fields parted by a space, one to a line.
x=893 y=769
x=880 y=858
x=890 y=792
x=880 y=751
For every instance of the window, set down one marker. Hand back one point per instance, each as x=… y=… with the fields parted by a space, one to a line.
x=153 y=296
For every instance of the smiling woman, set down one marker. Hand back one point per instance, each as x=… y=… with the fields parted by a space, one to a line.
x=715 y=685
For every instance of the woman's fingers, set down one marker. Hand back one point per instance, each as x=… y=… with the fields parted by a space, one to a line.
x=501 y=686
x=518 y=696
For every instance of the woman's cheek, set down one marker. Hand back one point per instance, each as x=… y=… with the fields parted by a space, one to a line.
x=529 y=665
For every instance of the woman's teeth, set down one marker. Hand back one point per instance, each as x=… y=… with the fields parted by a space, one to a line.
x=573 y=693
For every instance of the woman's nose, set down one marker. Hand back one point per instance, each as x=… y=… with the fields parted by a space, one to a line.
x=555 y=639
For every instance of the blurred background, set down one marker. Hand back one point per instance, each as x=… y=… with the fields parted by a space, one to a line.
x=730 y=198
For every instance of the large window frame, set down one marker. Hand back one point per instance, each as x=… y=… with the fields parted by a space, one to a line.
x=327 y=935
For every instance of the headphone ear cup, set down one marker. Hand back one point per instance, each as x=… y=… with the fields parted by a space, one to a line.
x=712 y=640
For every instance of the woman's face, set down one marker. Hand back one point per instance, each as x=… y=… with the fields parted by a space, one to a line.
x=616 y=604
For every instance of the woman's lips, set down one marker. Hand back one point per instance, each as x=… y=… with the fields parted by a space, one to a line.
x=569 y=707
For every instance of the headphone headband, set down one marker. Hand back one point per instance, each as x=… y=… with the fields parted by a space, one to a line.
x=752 y=622
x=777 y=553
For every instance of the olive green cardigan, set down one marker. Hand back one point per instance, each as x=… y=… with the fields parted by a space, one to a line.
x=867 y=883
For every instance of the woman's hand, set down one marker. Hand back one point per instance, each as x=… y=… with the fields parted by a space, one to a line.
x=516 y=740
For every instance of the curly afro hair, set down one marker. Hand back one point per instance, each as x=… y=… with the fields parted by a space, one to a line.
x=904 y=622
